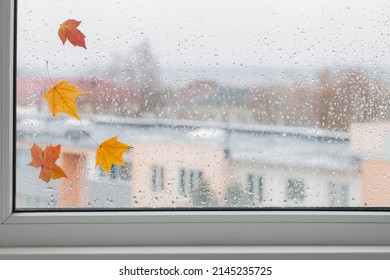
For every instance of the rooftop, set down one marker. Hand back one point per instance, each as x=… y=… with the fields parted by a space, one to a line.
x=290 y=146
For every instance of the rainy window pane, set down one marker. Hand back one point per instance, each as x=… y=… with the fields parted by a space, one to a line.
x=229 y=104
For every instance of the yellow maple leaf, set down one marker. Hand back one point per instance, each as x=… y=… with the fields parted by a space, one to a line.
x=62 y=98
x=110 y=152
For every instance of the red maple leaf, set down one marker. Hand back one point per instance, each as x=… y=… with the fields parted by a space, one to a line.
x=68 y=30
x=46 y=160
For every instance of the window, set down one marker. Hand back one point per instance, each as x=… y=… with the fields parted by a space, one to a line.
x=189 y=180
x=338 y=195
x=118 y=172
x=157 y=178
x=323 y=145
x=278 y=98
x=295 y=190
x=255 y=187
x=124 y=171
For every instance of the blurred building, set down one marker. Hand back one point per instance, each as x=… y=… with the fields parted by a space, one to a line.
x=204 y=100
x=266 y=168
x=190 y=164
x=371 y=142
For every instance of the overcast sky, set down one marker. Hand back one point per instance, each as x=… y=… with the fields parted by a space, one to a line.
x=208 y=33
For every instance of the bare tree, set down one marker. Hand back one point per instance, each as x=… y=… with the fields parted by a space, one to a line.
x=138 y=71
x=350 y=96
x=202 y=196
x=143 y=75
x=325 y=107
x=267 y=104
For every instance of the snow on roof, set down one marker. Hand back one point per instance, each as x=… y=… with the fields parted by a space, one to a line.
x=291 y=146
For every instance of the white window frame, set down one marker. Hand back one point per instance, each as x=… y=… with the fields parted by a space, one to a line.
x=299 y=234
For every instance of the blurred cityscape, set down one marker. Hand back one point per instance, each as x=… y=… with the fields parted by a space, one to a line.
x=322 y=141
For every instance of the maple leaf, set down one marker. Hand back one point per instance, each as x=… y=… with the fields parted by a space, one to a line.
x=46 y=159
x=62 y=98
x=110 y=152
x=68 y=30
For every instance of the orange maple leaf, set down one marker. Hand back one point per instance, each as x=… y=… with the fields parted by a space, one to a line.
x=62 y=98
x=46 y=160
x=68 y=30
x=110 y=152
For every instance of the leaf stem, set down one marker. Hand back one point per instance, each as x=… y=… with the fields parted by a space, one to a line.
x=91 y=138
x=48 y=73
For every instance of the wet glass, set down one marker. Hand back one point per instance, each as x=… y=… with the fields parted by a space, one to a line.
x=227 y=104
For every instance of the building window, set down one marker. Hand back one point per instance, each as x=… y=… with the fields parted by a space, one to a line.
x=113 y=172
x=125 y=171
x=338 y=195
x=122 y=172
x=117 y=172
x=295 y=190
x=182 y=185
x=254 y=185
x=189 y=180
x=157 y=178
